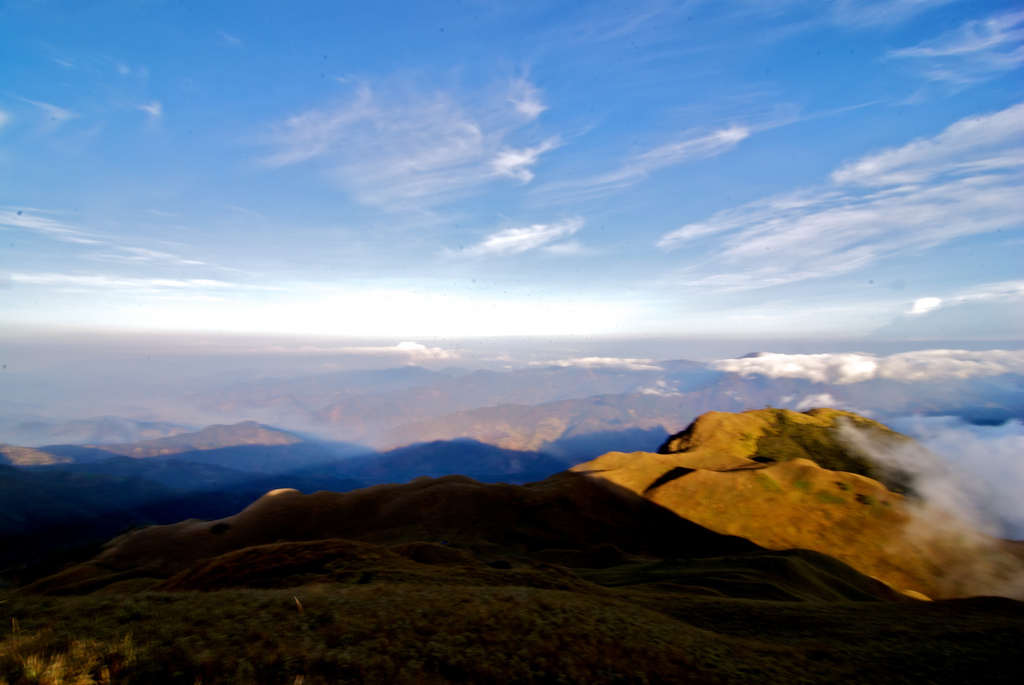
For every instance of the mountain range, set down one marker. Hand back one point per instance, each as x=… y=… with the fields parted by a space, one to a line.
x=766 y=545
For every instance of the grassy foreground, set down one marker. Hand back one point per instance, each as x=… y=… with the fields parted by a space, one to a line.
x=420 y=633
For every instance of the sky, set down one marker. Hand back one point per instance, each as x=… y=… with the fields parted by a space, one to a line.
x=409 y=170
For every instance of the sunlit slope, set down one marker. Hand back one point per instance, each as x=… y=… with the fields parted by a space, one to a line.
x=787 y=480
x=26 y=456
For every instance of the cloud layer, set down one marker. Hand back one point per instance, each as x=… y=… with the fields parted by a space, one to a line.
x=841 y=369
x=992 y=455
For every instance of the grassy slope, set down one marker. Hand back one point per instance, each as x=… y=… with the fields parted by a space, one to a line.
x=752 y=475
x=415 y=632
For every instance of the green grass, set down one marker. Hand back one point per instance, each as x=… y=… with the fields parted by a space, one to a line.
x=438 y=634
x=633 y=631
x=828 y=498
x=788 y=440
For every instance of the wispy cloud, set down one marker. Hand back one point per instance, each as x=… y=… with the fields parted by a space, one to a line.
x=52 y=113
x=977 y=51
x=517 y=163
x=229 y=40
x=402 y=146
x=964 y=181
x=4 y=118
x=128 y=254
x=695 y=145
x=510 y=241
x=37 y=221
x=155 y=109
x=871 y=13
x=109 y=282
x=527 y=98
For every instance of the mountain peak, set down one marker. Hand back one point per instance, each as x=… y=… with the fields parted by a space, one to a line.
x=789 y=480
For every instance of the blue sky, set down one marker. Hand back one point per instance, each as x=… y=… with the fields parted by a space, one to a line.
x=410 y=170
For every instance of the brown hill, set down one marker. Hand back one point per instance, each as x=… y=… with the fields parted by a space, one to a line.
x=211 y=437
x=786 y=480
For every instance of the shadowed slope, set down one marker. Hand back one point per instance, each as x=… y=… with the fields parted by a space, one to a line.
x=566 y=511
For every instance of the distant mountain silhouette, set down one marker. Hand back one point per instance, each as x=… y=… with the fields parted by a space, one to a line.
x=247 y=446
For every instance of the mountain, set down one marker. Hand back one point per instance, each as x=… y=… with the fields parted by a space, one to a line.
x=247 y=446
x=462 y=456
x=579 y=413
x=789 y=480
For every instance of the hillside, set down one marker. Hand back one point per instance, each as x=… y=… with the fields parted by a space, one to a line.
x=786 y=480
x=564 y=512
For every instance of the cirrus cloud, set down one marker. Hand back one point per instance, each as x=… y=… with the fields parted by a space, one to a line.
x=967 y=180
x=510 y=241
x=395 y=146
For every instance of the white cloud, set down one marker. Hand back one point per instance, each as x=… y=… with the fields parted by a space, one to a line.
x=1005 y=291
x=606 y=362
x=53 y=113
x=661 y=388
x=841 y=369
x=400 y=146
x=411 y=350
x=977 y=51
x=141 y=254
x=526 y=98
x=4 y=118
x=569 y=247
x=697 y=145
x=155 y=109
x=964 y=181
x=925 y=304
x=511 y=241
x=993 y=455
x=517 y=163
x=952 y=503
x=106 y=282
x=815 y=401
x=35 y=221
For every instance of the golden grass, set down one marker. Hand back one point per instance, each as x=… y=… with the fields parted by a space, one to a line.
x=810 y=491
